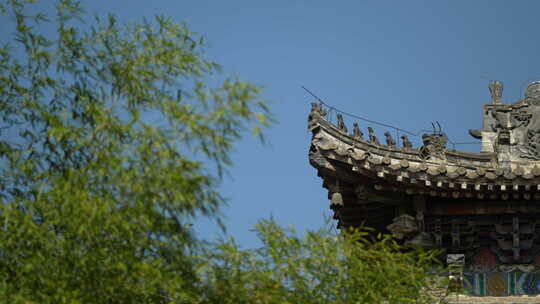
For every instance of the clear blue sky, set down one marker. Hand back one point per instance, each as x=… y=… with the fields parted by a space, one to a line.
x=407 y=63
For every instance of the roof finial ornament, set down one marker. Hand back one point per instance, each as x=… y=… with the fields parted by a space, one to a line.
x=357 y=133
x=372 y=137
x=340 y=124
x=496 y=89
x=389 y=140
x=319 y=108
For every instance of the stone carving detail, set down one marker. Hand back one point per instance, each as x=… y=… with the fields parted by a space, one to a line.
x=532 y=93
x=357 y=133
x=406 y=142
x=389 y=140
x=340 y=124
x=318 y=107
x=520 y=118
x=531 y=147
x=434 y=145
x=498 y=117
x=512 y=129
x=496 y=89
x=503 y=137
x=372 y=137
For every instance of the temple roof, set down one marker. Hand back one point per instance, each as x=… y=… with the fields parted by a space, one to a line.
x=508 y=167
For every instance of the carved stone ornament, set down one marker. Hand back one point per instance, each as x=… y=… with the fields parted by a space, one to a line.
x=341 y=124
x=406 y=142
x=318 y=107
x=531 y=147
x=434 y=145
x=520 y=118
x=516 y=124
x=372 y=137
x=504 y=136
x=496 y=89
x=389 y=140
x=357 y=133
x=532 y=93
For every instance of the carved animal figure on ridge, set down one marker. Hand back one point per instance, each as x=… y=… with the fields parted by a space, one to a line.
x=389 y=140
x=357 y=133
x=372 y=137
x=406 y=142
x=340 y=124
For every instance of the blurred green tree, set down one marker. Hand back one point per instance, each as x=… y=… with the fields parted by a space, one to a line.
x=110 y=140
x=321 y=267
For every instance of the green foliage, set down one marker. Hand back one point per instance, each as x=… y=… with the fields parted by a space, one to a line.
x=106 y=135
x=321 y=267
